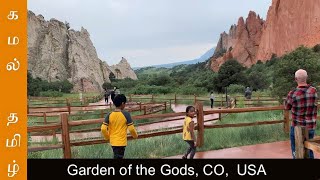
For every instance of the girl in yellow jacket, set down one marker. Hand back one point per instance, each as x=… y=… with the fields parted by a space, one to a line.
x=188 y=132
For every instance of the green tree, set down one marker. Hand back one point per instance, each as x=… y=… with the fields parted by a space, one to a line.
x=112 y=77
x=231 y=72
x=301 y=58
x=106 y=85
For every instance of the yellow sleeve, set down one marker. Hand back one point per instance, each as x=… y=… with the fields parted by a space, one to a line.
x=132 y=131
x=105 y=131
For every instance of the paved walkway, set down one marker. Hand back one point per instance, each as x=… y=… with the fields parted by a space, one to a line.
x=274 y=150
x=176 y=123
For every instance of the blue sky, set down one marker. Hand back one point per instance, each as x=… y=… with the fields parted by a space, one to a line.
x=150 y=32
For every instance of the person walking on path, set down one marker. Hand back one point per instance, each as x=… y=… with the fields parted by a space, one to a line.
x=115 y=127
x=248 y=93
x=188 y=132
x=106 y=96
x=212 y=99
x=302 y=101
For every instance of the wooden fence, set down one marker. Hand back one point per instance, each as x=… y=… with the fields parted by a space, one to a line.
x=56 y=102
x=45 y=112
x=303 y=144
x=65 y=125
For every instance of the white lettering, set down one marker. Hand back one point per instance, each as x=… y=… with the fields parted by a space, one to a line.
x=208 y=170
x=251 y=170
x=74 y=170
x=167 y=170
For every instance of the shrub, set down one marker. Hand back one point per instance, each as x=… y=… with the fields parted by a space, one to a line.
x=236 y=88
x=51 y=94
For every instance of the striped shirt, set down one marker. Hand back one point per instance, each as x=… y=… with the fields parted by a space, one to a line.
x=303 y=105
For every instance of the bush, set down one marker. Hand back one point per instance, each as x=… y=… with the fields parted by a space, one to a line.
x=190 y=90
x=236 y=88
x=51 y=94
x=146 y=89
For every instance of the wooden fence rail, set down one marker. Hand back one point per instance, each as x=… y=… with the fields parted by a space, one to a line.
x=303 y=144
x=65 y=126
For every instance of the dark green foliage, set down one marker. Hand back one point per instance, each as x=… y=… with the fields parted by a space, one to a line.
x=316 y=48
x=231 y=72
x=51 y=94
x=37 y=85
x=301 y=58
x=112 y=77
x=236 y=88
x=106 y=85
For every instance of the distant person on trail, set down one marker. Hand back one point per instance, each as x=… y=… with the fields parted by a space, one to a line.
x=106 y=96
x=248 y=93
x=115 y=126
x=113 y=93
x=212 y=99
x=302 y=101
x=188 y=132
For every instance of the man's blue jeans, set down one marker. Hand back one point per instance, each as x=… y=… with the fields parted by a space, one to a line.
x=293 y=144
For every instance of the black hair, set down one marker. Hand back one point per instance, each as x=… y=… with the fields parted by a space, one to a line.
x=119 y=99
x=188 y=108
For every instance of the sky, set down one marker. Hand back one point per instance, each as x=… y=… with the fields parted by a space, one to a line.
x=150 y=32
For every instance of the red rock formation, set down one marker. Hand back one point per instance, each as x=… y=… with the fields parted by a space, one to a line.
x=289 y=24
x=244 y=43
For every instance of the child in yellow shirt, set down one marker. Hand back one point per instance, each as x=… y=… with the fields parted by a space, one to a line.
x=188 y=132
x=115 y=126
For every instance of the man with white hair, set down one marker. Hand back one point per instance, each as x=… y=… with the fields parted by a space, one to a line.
x=302 y=101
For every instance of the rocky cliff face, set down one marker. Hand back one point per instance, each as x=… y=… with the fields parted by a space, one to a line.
x=242 y=42
x=289 y=24
x=123 y=70
x=56 y=52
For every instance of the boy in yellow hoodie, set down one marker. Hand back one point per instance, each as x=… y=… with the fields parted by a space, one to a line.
x=115 y=126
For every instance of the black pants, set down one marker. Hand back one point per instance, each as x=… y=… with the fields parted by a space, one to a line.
x=106 y=99
x=118 y=152
x=191 y=149
x=211 y=103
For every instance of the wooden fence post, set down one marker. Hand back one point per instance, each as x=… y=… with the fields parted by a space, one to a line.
x=54 y=133
x=110 y=106
x=151 y=97
x=69 y=108
x=65 y=136
x=300 y=134
x=145 y=110
x=200 y=124
x=175 y=98
x=219 y=115
x=130 y=98
x=45 y=117
x=195 y=98
x=286 y=121
x=140 y=106
x=101 y=113
x=165 y=105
